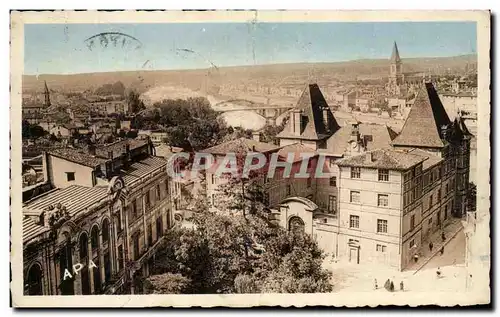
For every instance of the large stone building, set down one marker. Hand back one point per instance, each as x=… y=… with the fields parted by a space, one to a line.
x=97 y=230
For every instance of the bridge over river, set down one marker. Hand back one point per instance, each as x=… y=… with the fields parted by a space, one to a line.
x=273 y=114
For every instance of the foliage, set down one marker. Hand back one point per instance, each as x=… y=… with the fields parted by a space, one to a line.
x=167 y=283
x=269 y=132
x=232 y=254
x=116 y=88
x=135 y=104
x=32 y=131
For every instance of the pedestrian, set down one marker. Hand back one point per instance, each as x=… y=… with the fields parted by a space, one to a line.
x=387 y=284
x=438 y=272
x=443 y=237
x=376 y=285
x=401 y=286
x=415 y=258
x=442 y=250
x=392 y=286
x=431 y=246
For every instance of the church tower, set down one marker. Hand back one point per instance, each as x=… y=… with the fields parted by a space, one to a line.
x=396 y=79
x=46 y=93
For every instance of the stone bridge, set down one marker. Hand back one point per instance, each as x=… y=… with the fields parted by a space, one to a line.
x=270 y=112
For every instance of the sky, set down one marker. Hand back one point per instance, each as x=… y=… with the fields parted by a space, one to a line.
x=63 y=48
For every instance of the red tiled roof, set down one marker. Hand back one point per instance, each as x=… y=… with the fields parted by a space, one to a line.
x=79 y=156
x=241 y=145
x=384 y=159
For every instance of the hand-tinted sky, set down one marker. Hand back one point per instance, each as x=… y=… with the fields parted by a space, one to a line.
x=61 y=48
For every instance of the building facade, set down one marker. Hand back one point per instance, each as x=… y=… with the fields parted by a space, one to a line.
x=96 y=232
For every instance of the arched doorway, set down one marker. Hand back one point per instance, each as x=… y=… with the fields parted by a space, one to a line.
x=84 y=260
x=296 y=225
x=34 y=280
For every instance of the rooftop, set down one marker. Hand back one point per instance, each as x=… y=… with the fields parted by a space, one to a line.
x=383 y=159
x=241 y=145
x=311 y=104
x=75 y=198
x=79 y=156
x=296 y=149
x=142 y=168
x=423 y=126
x=431 y=160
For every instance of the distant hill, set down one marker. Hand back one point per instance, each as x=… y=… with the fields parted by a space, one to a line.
x=282 y=73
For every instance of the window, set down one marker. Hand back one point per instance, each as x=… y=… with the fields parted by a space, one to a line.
x=147 y=202
x=159 y=227
x=381 y=248
x=430 y=221
x=439 y=196
x=355 y=197
x=412 y=222
x=150 y=235
x=355 y=172
x=213 y=199
x=446 y=189
x=118 y=220
x=158 y=192
x=120 y=258
x=383 y=175
x=288 y=189
x=383 y=200
x=70 y=176
x=94 y=238
x=213 y=178
x=381 y=226
x=332 y=204
x=353 y=221
x=430 y=201
x=412 y=243
x=105 y=231
x=333 y=181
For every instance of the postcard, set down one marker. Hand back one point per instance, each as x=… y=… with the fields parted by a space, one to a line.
x=250 y=158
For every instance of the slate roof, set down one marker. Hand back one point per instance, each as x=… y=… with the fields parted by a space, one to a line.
x=395 y=54
x=241 y=145
x=374 y=136
x=311 y=104
x=422 y=128
x=384 y=159
x=75 y=198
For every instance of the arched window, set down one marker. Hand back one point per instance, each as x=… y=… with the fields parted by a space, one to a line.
x=83 y=246
x=84 y=253
x=34 y=281
x=105 y=230
x=296 y=225
x=94 y=238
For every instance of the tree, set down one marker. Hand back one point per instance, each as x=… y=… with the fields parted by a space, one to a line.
x=236 y=254
x=132 y=134
x=167 y=283
x=135 y=104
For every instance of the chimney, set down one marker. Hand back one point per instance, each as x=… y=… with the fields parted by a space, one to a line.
x=444 y=131
x=256 y=136
x=355 y=135
x=368 y=157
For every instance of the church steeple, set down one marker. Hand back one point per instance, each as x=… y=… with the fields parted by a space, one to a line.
x=46 y=92
x=395 y=54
